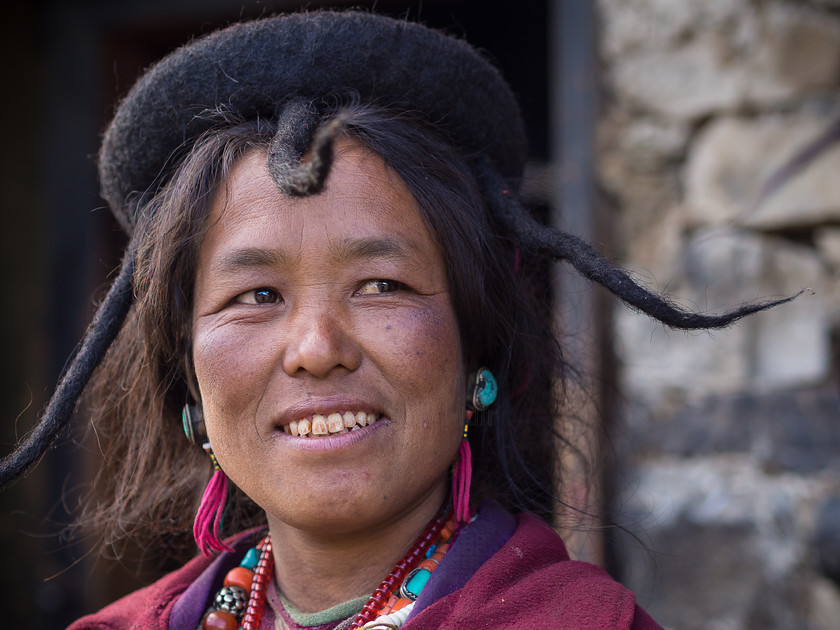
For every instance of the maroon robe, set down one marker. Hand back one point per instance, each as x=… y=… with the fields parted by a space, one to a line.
x=503 y=572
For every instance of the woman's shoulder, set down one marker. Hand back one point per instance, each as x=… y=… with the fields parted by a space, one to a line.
x=562 y=592
x=178 y=598
x=148 y=607
x=530 y=582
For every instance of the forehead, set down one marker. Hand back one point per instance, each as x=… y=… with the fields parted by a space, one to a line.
x=362 y=199
x=357 y=173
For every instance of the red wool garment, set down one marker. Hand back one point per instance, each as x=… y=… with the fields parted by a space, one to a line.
x=531 y=584
x=503 y=572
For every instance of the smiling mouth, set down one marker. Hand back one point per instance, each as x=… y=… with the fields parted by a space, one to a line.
x=335 y=423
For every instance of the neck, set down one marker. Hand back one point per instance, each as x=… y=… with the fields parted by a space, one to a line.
x=316 y=571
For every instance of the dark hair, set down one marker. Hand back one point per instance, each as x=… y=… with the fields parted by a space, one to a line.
x=152 y=478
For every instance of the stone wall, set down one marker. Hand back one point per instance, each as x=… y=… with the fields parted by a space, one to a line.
x=730 y=440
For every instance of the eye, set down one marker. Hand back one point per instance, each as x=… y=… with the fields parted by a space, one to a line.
x=379 y=286
x=258 y=296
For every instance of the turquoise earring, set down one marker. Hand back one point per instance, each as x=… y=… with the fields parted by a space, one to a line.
x=192 y=421
x=484 y=389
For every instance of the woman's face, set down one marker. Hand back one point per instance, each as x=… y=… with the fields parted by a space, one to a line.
x=335 y=303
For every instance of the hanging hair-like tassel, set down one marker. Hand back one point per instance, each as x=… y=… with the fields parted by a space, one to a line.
x=208 y=520
x=462 y=477
x=103 y=330
x=535 y=237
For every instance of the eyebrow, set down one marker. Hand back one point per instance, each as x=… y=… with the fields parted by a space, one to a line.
x=349 y=249
x=249 y=258
x=371 y=248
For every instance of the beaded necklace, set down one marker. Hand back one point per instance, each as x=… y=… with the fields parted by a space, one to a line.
x=233 y=600
x=244 y=591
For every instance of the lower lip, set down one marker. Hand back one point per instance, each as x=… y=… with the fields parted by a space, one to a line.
x=339 y=441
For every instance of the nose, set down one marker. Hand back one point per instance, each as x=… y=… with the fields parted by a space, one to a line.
x=318 y=342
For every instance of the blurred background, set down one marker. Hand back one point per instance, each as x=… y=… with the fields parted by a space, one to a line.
x=696 y=143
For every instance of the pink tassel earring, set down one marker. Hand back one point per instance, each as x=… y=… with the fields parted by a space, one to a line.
x=462 y=477
x=208 y=520
x=482 y=394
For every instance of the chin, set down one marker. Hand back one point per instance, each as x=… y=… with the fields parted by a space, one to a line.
x=340 y=509
x=330 y=517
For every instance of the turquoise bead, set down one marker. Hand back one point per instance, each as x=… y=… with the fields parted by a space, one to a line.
x=418 y=581
x=252 y=557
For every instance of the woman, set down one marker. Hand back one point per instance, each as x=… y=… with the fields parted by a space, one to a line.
x=332 y=288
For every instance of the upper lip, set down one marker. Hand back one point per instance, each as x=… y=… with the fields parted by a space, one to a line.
x=324 y=405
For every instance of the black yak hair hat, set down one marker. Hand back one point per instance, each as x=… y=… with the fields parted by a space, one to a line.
x=264 y=69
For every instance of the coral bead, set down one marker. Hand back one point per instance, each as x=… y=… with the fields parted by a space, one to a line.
x=241 y=577
x=388 y=605
x=401 y=603
x=219 y=620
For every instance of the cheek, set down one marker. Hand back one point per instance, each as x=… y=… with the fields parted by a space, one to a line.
x=227 y=367
x=423 y=353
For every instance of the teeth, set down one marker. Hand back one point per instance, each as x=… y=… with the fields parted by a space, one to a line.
x=334 y=423
x=319 y=425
